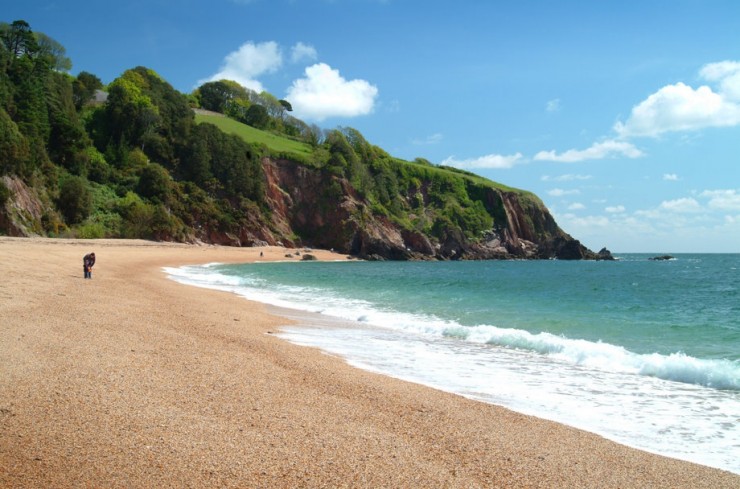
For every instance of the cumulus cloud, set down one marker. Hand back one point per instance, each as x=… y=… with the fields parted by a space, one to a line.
x=682 y=205
x=680 y=107
x=249 y=62
x=492 y=161
x=670 y=177
x=727 y=73
x=324 y=93
x=726 y=200
x=616 y=209
x=598 y=151
x=576 y=206
x=302 y=52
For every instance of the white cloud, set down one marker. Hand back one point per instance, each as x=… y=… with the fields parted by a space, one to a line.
x=325 y=93
x=616 y=209
x=553 y=105
x=576 y=206
x=249 y=62
x=726 y=200
x=597 y=151
x=727 y=73
x=683 y=205
x=488 y=161
x=559 y=192
x=302 y=52
x=433 y=139
x=680 y=107
x=670 y=177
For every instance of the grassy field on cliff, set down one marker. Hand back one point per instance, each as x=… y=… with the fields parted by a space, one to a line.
x=253 y=135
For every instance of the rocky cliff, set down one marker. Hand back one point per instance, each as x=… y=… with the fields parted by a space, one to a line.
x=310 y=207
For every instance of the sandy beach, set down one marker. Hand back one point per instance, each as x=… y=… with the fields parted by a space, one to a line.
x=133 y=380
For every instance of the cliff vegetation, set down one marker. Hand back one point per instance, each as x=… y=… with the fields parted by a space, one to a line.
x=226 y=165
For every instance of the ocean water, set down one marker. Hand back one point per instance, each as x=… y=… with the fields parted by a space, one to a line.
x=646 y=353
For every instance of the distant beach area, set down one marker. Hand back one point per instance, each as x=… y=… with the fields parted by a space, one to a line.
x=134 y=380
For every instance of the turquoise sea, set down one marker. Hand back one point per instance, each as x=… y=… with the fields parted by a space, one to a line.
x=646 y=353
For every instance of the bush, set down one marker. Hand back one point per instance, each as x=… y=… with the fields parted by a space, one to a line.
x=91 y=230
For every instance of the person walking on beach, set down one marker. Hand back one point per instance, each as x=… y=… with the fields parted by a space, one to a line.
x=87 y=263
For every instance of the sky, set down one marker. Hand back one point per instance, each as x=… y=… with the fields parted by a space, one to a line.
x=622 y=116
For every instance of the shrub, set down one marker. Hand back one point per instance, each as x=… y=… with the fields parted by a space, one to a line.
x=91 y=230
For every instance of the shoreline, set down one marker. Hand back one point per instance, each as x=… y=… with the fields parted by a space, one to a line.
x=133 y=379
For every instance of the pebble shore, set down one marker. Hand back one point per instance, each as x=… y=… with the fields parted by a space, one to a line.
x=133 y=380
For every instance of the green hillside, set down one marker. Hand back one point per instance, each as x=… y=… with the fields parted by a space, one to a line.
x=249 y=134
x=227 y=165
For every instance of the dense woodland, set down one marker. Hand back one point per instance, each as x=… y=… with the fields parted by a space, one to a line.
x=130 y=159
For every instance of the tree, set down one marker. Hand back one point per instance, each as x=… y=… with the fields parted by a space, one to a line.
x=257 y=116
x=75 y=200
x=155 y=184
x=272 y=105
x=14 y=149
x=53 y=52
x=67 y=138
x=84 y=87
x=18 y=38
x=219 y=95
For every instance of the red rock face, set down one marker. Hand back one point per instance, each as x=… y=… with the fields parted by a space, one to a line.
x=316 y=208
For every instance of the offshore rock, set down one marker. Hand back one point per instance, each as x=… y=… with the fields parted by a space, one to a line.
x=605 y=254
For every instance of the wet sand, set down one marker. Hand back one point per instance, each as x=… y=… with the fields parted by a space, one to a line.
x=133 y=380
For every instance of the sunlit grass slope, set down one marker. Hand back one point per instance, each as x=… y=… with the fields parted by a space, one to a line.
x=254 y=135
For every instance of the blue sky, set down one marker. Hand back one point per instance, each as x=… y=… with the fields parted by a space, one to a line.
x=623 y=116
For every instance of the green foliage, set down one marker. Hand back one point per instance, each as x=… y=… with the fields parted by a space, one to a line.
x=257 y=116
x=90 y=230
x=18 y=38
x=27 y=105
x=84 y=87
x=5 y=194
x=98 y=169
x=54 y=53
x=67 y=137
x=220 y=96
x=15 y=155
x=156 y=184
x=278 y=144
x=75 y=201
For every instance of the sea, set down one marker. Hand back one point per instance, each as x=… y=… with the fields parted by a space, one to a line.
x=643 y=352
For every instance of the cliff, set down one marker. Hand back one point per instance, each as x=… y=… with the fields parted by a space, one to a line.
x=303 y=212
x=141 y=164
x=308 y=207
